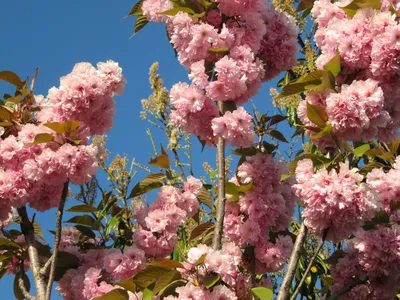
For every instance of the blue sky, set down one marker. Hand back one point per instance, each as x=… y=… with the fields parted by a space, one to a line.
x=55 y=35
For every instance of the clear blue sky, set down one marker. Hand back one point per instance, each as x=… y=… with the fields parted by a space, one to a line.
x=55 y=35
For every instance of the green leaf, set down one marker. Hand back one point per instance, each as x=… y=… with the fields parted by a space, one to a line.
x=161 y=161
x=174 y=11
x=219 y=51
x=86 y=231
x=360 y=150
x=327 y=130
x=394 y=205
x=83 y=220
x=381 y=217
x=299 y=85
x=318 y=160
x=140 y=22
x=12 y=78
x=147 y=276
x=16 y=100
x=37 y=229
x=334 y=258
x=41 y=138
x=5 y=114
x=278 y=135
x=136 y=9
x=334 y=65
x=117 y=294
x=7 y=243
x=317 y=115
x=201 y=260
x=82 y=208
x=151 y=182
x=200 y=230
x=170 y=289
x=305 y=4
x=64 y=262
x=167 y=263
x=17 y=290
x=148 y=292
x=245 y=151
x=262 y=293
x=210 y=280
x=128 y=285
x=351 y=9
x=165 y=280
x=276 y=119
x=206 y=4
x=268 y=147
x=64 y=127
x=205 y=197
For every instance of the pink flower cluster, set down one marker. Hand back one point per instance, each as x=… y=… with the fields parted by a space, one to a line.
x=85 y=95
x=335 y=201
x=269 y=204
x=369 y=47
x=372 y=255
x=156 y=234
x=98 y=270
x=257 y=43
x=387 y=185
x=235 y=127
x=36 y=174
x=356 y=111
x=225 y=263
x=190 y=291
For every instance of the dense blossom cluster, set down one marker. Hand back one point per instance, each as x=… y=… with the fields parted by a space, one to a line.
x=33 y=172
x=372 y=256
x=223 y=262
x=260 y=42
x=388 y=186
x=85 y=95
x=269 y=204
x=368 y=45
x=98 y=270
x=157 y=233
x=336 y=201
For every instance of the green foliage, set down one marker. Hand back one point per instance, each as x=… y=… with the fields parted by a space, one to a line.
x=351 y=9
x=151 y=182
x=262 y=293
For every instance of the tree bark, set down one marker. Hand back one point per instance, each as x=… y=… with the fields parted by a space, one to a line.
x=54 y=257
x=284 y=292
x=220 y=205
x=34 y=260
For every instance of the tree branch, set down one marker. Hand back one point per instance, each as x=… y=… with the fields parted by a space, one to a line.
x=28 y=232
x=26 y=294
x=34 y=79
x=347 y=289
x=284 y=292
x=220 y=205
x=57 y=239
x=307 y=271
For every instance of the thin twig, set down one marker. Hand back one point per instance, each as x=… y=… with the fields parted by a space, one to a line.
x=34 y=79
x=57 y=239
x=303 y=279
x=34 y=260
x=220 y=206
x=347 y=289
x=46 y=266
x=178 y=162
x=284 y=291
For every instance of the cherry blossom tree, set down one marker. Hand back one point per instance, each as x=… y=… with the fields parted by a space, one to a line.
x=321 y=222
